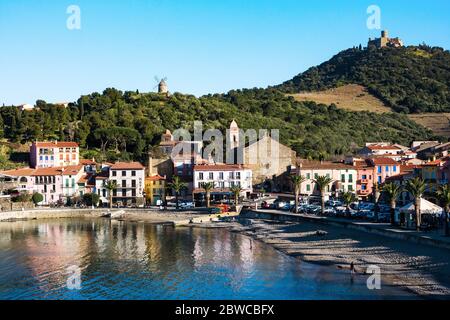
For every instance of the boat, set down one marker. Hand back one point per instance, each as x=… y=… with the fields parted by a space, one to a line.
x=118 y=214
x=106 y=214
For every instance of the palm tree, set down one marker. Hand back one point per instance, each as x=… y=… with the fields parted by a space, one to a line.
x=177 y=185
x=208 y=187
x=348 y=198
x=110 y=185
x=236 y=192
x=297 y=182
x=416 y=187
x=444 y=195
x=322 y=183
x=392 y=191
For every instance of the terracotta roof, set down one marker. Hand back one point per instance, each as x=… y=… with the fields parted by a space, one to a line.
x=127 y=166
x=155 y=178
x=56 y=144
x=87 y=162
x=378 y=147
x=18 y=172
x=384 y=161
x=317 y=165
x=54 y=171
x=219 y=167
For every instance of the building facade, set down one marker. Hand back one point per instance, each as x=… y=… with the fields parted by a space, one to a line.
x=130 y=180
x=54 y=154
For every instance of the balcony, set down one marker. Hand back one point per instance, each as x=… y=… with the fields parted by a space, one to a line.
x=364 y=192
x=363 y=181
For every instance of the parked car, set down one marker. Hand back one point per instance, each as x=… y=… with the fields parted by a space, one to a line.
x=186 y=205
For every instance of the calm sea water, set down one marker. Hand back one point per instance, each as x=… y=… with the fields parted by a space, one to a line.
x=120 y=260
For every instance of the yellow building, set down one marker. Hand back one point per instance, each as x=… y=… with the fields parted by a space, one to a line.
x=154 y=189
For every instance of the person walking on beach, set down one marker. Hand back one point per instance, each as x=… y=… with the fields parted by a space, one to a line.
x=352 y=268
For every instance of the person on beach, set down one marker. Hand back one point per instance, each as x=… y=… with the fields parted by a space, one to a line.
x=352 y=268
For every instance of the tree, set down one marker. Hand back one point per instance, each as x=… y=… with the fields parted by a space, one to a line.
x=110 y=185
x=208 y=187
x=91 y=199
x=392 y=191
x=322 y=183
x=416 y=187
x=37 y=198
x=236 y=190
x=444 y=195
x=348 y=198
x=297 y=182
x=376 y=199
x=177 y=185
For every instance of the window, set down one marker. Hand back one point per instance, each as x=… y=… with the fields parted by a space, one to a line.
x=221 y=184
x=316 y=175
x=133 y=193
x=231 y=175
x=67 y=149
x=387 y=168
x=133 y=183
x=308 y=187
x=61 y=150
x=61 y=157
x=363 y=187
x=350 y=178
x=221 y=175
x=308 y=176
x=133 y=173
x=124 y=192
x=342 y=177
x=200 y=176
x=41 y=158
x=379 y=169
x=114 y=173
x=350 y=187
x=73 y=182
x=394 y=168
x=380 y=180
x=124 y=183
x=74 y=156
x=124 y=173
x=238 y=175
x=211 y=176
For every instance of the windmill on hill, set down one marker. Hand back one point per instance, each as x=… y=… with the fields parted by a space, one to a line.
x=161 y=84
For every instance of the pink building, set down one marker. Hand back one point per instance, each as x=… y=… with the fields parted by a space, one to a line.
x=384 y=168
x=364 y=182
x=54 y=154
x=54 y=183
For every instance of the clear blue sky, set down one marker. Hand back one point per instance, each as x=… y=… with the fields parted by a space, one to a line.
x=202 y=46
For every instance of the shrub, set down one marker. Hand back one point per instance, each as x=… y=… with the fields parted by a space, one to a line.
x=37 y=198
x=91 y=199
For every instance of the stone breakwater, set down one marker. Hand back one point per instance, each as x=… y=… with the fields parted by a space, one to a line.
x=50 y=214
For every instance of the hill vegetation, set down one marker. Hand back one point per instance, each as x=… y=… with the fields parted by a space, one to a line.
x=408 y=80
x=116 y=125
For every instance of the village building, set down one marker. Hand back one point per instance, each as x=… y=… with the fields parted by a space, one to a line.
x=224 y=177
x=54 y=154
x=344 y=177
x=384 y=168
x=155 y=187
x=130 y=180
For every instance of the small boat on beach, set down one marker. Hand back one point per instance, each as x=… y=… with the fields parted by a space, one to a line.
x=118 y=214
x=106 y=214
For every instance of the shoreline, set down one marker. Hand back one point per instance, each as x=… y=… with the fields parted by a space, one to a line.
x=414 y=268
x=287 y=237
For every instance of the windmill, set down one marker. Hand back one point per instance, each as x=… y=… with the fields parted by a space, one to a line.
x=161 y=85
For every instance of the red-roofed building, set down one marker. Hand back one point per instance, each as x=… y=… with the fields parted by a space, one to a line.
x=130 y=179
x=384 y=168
x=54 y=154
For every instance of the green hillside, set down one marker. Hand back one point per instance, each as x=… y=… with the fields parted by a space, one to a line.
x=117 y=125
x=409 y=80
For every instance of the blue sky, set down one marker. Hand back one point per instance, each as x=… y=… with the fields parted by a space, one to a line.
x=202 y=46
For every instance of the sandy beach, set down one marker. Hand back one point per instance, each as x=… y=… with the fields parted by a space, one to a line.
x=420 y=269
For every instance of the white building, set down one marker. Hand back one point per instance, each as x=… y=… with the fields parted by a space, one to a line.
x=130 y=179
x=344 y=177
x=224 y=177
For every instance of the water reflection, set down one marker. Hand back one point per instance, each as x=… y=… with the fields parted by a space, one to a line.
x=121 y=260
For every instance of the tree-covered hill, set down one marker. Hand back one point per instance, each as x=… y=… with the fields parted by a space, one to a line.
x=125 y=125
x=409 y=79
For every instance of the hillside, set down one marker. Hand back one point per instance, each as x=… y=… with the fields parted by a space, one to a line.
x=116 y=125
x=439 y=123
x=408 y=80
x=351 y=97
